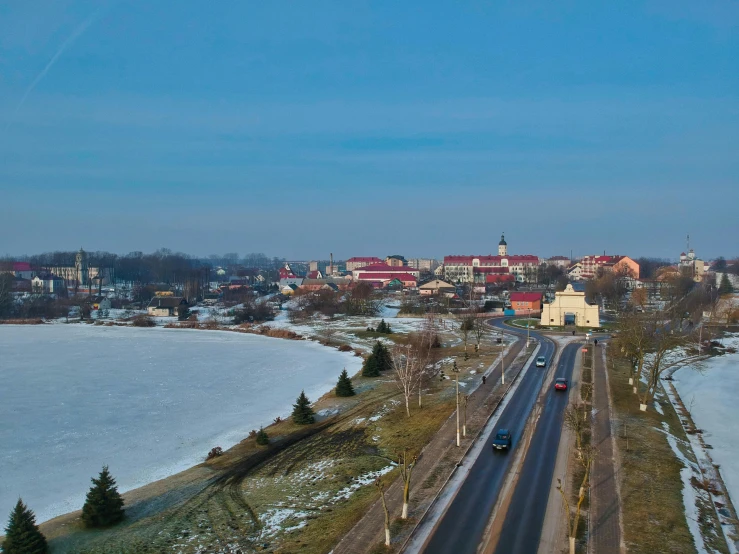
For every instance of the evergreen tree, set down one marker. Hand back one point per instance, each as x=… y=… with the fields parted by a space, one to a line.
x=22 y=535
x=382 y=354
x=344 y=387
x=103 y=505
x=262 y=437
x=302 y=412
x=184 y=315
x=725 y=287
x=371 y=367
x=383 y=327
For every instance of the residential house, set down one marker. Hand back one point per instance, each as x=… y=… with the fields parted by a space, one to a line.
x=437 y=288
x=381 y=280
x=289 y=290
x=100 y=303
x=19 y=270
x=395 y=261
x=525 y=302
x=335 y=284
x=357 y=262
x=591 y=266
x=575 y=272
x=167 y=306
x=562 y=262
x=48 y=283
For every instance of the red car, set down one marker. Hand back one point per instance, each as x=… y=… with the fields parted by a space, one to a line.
x=560 y=383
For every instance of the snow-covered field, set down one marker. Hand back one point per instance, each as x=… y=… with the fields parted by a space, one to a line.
x=712 y=401
x=147 y=402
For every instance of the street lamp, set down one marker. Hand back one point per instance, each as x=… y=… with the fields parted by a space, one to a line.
x=502 y=366
x=455 y=369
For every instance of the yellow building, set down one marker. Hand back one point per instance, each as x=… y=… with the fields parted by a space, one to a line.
x=569 y=307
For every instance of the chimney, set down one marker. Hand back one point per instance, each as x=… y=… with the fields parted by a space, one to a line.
x=331 y=266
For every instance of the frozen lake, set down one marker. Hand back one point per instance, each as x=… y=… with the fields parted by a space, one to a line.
x=147 y=402
x=711 y=398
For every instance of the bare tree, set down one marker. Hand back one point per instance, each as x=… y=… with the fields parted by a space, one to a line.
x=587 y=456
x=381 y=487
x=406 y=469
x=577 y=422
x=466 y=325
x=408 y=367
x=423 y=346
x=480 y=327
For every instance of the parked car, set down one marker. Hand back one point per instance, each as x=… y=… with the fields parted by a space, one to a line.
x=502 y=440
x=541 y=361
x=560 y=383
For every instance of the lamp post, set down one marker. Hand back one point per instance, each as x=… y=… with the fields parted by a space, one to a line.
x=455 y=369
x=502 y=366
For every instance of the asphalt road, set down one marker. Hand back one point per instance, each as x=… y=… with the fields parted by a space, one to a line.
x=462 y=525
x=524 y=519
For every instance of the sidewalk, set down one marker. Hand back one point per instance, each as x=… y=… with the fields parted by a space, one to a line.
x=439 y=456
x=605 y=532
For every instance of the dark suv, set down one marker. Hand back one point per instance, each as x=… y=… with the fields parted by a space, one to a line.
x=502 y=440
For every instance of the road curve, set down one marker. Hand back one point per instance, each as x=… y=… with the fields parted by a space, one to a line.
x=521 y=530
x=461 y=527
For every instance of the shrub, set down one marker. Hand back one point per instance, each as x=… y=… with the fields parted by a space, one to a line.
x=345 y=348
x=215 y=452
x=143 y=321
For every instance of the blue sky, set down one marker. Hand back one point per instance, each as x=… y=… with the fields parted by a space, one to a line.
x=368 y=128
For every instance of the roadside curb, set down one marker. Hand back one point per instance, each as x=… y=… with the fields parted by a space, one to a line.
x=482 y=433
x=473 y=443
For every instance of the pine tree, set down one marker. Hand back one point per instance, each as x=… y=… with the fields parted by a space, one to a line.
x=382 y=355
x=383 y=327
x=22 y=535
x=371 y=367
x=103 y=505
x=725 y=287
x=262 y=437
x=344 y=386
x=302 y=412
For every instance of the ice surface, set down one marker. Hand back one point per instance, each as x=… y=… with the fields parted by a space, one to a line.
x=147 y=402
x=711 y=399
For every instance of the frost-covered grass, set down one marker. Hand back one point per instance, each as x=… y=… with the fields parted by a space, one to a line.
x=148 y=402
x=711 y=397
x=659 y=513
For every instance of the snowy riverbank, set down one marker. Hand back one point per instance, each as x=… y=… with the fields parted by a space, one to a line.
x=148 y=402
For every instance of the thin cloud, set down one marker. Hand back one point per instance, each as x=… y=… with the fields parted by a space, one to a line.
x=77 y=33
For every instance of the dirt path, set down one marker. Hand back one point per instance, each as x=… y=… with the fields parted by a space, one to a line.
x=435 y=463
x=605 y=532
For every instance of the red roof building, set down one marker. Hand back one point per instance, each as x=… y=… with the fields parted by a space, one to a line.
x=526 y=302
x=383 y=268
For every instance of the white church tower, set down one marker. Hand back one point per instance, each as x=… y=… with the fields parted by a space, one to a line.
x=502 y=246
